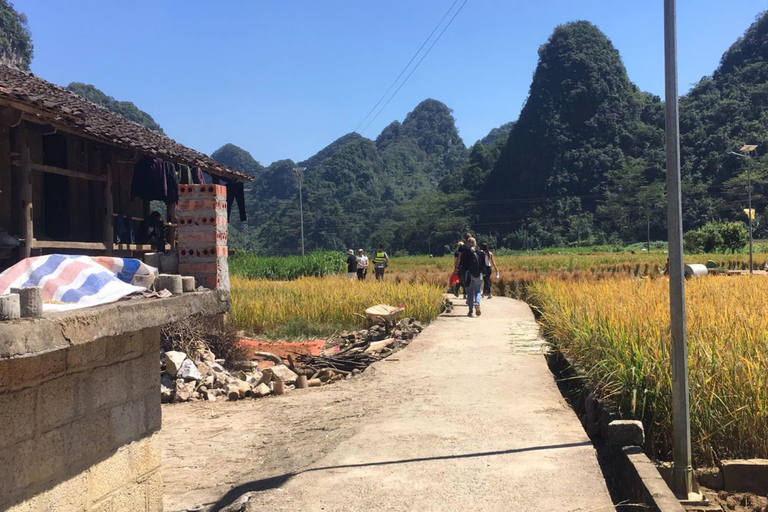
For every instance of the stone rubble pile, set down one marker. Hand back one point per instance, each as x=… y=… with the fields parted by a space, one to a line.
x=198 y=375
x=404 y=331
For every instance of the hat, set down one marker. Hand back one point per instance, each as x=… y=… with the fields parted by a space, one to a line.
x=350 y=251
x=360 y=250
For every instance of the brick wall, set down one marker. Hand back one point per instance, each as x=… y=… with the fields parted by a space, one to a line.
x=202 y=234
x=79 y=427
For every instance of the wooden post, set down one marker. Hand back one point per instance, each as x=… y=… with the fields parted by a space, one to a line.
x=109 y=235
x=25 y=251
x=6 y=196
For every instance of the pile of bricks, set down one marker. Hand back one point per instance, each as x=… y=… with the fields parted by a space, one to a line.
x=202 y=234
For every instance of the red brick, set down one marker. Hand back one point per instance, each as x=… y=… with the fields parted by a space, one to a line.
x=204 y=253
x=198 y=268
x=195 y=204
x=185 y=237
x=203 y=189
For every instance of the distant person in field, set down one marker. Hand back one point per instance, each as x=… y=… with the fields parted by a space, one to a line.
x=380 y=261
x=488 y=268
x=362 y=265
x=471 y=268
x=351 y=265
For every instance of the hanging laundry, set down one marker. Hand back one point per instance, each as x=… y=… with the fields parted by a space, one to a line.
x=124 y=230
x=185 y=174
x=236 y=193
x=149 y=181
x=172 y=180
x=197 y=176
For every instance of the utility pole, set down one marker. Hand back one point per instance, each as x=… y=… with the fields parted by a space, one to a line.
x=299 y=172
x=683 y=482
x=749 y=209
x=746 y=149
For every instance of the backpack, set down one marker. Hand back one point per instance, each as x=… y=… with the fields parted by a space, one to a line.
x=474 y=267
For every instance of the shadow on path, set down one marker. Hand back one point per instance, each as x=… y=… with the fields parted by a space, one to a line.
x=278 y=481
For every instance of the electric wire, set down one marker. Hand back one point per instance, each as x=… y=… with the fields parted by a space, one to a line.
x=409 y=64
x=415 y=67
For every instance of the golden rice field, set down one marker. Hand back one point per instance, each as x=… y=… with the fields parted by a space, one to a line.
x=319 y=305
x=618 y=330
x=604 y=263
x=599 y=312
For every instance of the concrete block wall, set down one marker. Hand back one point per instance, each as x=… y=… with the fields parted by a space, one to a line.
x=79 y=427
x=202 y=234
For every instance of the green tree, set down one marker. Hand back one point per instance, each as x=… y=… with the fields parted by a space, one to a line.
x=735 y=236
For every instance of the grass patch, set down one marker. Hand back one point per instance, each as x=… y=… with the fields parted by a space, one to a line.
x=286 y=268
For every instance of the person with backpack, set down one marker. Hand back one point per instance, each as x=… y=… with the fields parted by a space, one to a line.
x=471 y=268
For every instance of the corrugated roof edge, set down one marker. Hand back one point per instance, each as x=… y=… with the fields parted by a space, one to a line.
x=85 y=118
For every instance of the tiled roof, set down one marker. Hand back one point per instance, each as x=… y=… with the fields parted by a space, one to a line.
x=56 y=105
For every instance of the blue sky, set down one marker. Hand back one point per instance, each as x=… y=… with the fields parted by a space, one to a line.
x=283 y=79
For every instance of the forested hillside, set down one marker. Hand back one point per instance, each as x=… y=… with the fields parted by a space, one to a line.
x=357 y=191
x=124 y=108
x=583 y=164
x=583 y=144
x=585 y=161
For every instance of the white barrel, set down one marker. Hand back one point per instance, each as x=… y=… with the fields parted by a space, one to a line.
x=695 y=270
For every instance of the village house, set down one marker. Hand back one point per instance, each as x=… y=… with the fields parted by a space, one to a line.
x=79 y=390
x=67 y=181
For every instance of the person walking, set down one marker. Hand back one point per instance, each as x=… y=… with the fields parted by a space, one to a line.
x=351 y=265
x=362 y=265
x=490 y=265
x=380 y=262
x=471 y=267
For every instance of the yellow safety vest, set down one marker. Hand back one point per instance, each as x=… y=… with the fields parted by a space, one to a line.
x=380 y=257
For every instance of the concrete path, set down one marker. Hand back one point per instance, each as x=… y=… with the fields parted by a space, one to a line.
x=472 y=420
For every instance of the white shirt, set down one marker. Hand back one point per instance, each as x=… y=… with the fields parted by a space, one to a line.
x=362 y=261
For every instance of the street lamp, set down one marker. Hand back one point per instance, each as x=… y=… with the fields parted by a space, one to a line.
x=299 y=172
x=746 y=149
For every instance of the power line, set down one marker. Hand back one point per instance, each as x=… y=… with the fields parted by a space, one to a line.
x=409 y=63
x=416 y=66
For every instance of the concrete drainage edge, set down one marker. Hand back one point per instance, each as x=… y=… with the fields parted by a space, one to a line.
x=635 y=473
x=644 y=483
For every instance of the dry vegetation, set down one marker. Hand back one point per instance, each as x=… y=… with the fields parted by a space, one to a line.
x=318 y=306
x=618 y=330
